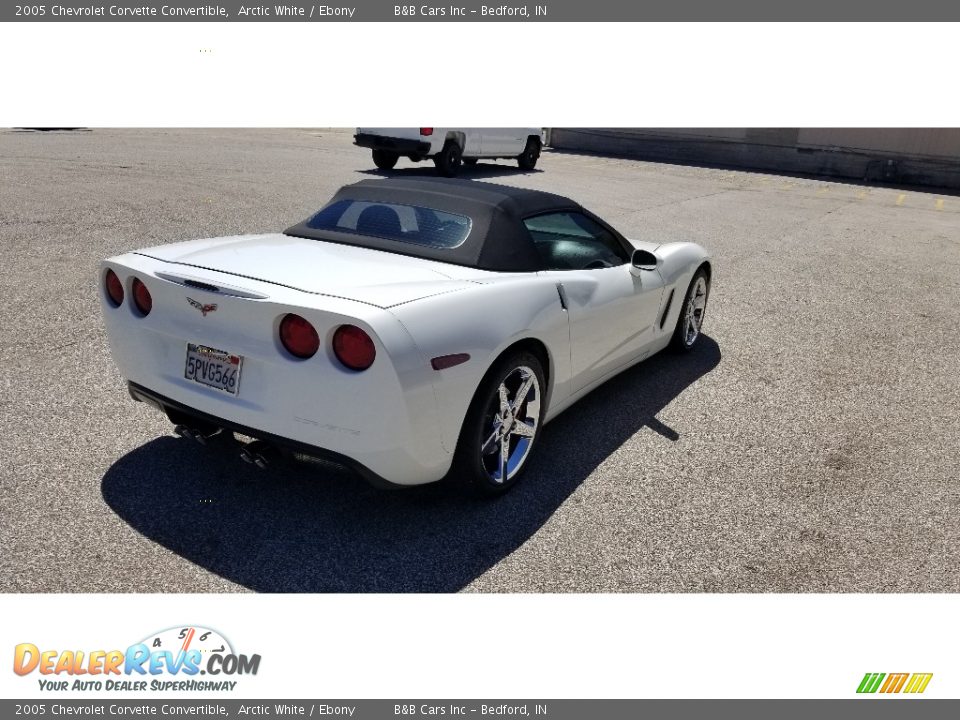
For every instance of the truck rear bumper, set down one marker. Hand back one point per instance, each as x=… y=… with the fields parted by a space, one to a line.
x=401 y=146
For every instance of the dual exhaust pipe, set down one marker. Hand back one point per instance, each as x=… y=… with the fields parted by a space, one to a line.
x=199 y=435
x=257 y=452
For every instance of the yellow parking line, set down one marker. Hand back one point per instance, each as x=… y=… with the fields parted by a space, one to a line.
x=900 y=198
x=861 y=195
x=939 y=203
x=821 y=191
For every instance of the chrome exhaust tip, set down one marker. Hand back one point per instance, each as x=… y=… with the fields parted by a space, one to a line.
x=195 y=434
x=258 y=453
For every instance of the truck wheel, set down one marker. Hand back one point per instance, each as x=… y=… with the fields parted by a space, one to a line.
x=448 y=160
x=384 y=159
x=527 y=160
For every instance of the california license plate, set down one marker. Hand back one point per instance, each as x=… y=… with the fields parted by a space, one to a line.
x=213 y=368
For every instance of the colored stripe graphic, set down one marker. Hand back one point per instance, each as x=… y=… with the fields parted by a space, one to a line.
x=918 y=683
x=870 y=682
x=894 y=682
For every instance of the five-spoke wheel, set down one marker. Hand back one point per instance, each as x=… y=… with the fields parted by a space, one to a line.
x=512 y=420
x=692 y=312
x=502 y=425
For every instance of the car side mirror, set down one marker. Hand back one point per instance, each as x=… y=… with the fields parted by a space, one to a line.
x=644 y=260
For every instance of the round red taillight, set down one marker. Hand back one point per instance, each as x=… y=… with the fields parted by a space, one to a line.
x=353 y=347
x=141 y=297
x=114 y=288
x=298 y=336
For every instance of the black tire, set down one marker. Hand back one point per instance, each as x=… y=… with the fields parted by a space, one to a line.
x=384 y=159
x=527 y=160
x=477 y=466
x=684 y=340
x=470 y=161
x=448 y=160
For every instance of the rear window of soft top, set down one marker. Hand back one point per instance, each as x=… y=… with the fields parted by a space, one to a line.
x=404 y=223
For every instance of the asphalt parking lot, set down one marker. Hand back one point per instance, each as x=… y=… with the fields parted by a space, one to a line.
x=811 y=444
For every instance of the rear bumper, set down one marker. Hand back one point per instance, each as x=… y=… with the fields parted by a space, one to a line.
x=172 y=407
x=384 y=422
x=401 y=146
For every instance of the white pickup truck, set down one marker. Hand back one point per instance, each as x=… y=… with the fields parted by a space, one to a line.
x=449 y=147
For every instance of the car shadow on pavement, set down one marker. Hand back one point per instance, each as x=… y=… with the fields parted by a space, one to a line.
x=304 y=527
x=483 y=169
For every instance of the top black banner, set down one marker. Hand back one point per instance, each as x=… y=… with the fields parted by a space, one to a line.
x=467 y=11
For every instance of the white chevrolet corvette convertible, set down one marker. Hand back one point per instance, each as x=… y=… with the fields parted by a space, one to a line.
x=411 y=329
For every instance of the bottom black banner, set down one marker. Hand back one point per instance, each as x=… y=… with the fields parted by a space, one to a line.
x=873 y=708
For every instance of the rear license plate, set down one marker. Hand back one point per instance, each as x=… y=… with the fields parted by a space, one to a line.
x=213 y=368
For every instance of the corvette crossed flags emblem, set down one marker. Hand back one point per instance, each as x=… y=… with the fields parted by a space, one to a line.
x=201 y=307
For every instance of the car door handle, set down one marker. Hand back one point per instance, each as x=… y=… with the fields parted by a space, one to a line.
x=561 y=291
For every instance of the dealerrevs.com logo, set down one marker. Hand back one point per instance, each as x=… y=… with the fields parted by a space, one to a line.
x=178 y=659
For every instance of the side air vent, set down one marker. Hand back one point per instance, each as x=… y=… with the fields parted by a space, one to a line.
x=663 y=318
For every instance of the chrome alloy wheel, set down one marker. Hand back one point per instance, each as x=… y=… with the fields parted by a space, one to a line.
x=696 y=308
x=511 y=423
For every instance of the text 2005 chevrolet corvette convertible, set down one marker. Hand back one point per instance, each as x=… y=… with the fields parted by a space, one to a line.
x=409 y=329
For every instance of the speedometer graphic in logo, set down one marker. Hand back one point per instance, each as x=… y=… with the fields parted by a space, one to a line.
x=183 y=639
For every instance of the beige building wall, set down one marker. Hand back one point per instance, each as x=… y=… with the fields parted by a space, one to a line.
x=919 y=156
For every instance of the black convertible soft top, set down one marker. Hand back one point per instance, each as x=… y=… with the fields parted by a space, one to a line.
x=498 y=239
